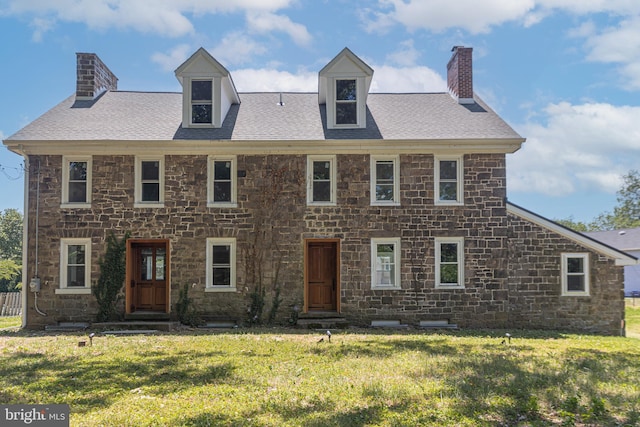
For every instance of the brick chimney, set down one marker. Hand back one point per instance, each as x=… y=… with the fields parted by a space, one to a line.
x=460 y=74
x=93 y=77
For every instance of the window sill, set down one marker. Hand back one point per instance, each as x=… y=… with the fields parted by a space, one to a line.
x=385 y=288
x=448 y=203
x=153 y=205
x=444 y=287
x=377 y=203
x=75 y=206
x=320 y=204
x=71 y=291
x=221 y=205
x=575 y=294
x=219 y=289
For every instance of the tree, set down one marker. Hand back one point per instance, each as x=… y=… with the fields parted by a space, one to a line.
x=11 y=235
x=627 y=213
x=10 y=250
x=574 y=225
x=112 y=275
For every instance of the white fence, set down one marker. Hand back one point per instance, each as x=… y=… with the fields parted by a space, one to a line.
x=10 y=303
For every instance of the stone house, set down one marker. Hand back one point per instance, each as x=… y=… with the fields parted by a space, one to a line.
x=342 y=202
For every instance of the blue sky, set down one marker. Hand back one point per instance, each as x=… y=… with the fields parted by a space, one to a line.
x=565 y=74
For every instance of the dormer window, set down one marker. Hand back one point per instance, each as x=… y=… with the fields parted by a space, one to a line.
x=346 y=102
x=201 y=102
x=343 y=86
x=208 y=91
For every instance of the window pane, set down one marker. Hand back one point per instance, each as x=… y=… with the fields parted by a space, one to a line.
x=448 y=191
x=384 y=170
x=449 y=273
x=75 y=254
x=321 y=170
x=449 y=252
x=384 y=192
x=77 y=171
x=222 y=192
x=77 y=192
x=575 y=265
x=346 y=90
x=146 y=272
x=385 y=264
x=161 y=256
x=150 y=192
x=222 y=170
x=575 y=283
x=448 y=169
x=346 y=113
x=75 y=276
x=221 y=276
x=151 y=171
x=201 y=90
x=322 y=191
x=201 y=113
x=221 y=254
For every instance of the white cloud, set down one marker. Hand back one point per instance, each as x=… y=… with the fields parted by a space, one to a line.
x=172 y=60
x=407 y=79
x=578 y=147
x=269 y=80
x=406 y=55
x=439 y=15
x=266 y=22
x=237 y=48
x=164 y=17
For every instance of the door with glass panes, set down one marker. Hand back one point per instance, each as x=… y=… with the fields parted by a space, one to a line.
x=148 y=276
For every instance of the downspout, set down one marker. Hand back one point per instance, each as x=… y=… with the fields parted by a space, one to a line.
x=25 y=239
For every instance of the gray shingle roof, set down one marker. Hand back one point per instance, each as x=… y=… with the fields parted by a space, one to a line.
x=146 y=116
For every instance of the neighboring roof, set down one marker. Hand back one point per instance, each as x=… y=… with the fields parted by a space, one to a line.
x=621 y=257
x=626 y=239
x=153 y=116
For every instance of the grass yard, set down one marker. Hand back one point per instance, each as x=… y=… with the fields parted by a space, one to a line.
x=632 y=317
x=361 y=378
x=10 y=322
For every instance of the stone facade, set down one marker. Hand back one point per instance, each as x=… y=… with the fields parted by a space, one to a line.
x=272 y=204
x=535 y=297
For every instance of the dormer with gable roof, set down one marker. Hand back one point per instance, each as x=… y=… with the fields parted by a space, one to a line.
x=343 y=85
x=207 y=91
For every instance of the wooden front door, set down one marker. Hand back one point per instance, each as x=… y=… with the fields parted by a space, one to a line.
x=148 y=276
x=322 y=278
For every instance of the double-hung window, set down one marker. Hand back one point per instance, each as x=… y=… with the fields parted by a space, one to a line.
x=575 y=274
x=346 y=102
x=321 y=180
x=76 y=181
x=221 y=265
x=201 y=102
x=385 y=182
x=385 y=263
x=149 y=181
x=222 y=181
x=448 y=181
x=449 y=262
x=75 y=266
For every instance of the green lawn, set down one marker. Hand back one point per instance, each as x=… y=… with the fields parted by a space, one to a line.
x=361 y=378
x=10 y=322
x=632 y=316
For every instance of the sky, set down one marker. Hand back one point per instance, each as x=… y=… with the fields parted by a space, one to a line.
x=565 y=74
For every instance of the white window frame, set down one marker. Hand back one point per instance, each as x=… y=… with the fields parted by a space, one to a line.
x=460 y=262
x=66 y=181
x=192 y=101
x=397 y=255
x=333 y=184
x=220 y=241
x=565 y=273
x=337 y=101
x=374 y=180
x=233 y=203
x=459 y=178
x=138 y=182
x=64 y=258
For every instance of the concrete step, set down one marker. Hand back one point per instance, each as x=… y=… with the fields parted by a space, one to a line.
x=67 y=327
x=137 y=325
x=219 y=324
x=388 y=324
x=437 y=324
x=147 y=315
x=323 y=323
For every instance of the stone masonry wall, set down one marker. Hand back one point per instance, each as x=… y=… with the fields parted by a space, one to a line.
x=535 y=298
x=272 y=217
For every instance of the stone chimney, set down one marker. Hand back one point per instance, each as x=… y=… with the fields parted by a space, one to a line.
x=460 y=74
x=93 y=77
